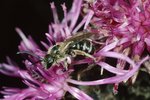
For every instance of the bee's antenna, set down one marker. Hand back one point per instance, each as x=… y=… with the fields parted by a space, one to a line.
x=29 y=53
x=34 y=63
x=32 y=54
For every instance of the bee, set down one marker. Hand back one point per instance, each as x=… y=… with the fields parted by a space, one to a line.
x=80 y=44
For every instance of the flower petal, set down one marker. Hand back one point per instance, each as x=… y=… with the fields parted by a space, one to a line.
x=112 y=69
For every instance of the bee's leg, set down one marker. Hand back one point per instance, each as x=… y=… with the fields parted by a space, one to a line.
x=64 y=61
x=67 y=62
x=79 y=52
x=65 y=65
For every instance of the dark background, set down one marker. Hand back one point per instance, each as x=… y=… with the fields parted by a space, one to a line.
x=33 y=17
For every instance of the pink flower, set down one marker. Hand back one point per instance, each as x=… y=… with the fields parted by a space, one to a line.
x=50 y=84
x=117 y=20
x=45 y=85
x=128 y=21
x=127 y=25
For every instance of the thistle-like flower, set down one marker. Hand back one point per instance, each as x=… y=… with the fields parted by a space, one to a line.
x=109 y=28
x=126 y=25
x=127 y=21
x=45 y=84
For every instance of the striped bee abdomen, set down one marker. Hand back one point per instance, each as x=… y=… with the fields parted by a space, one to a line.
x=83 y=45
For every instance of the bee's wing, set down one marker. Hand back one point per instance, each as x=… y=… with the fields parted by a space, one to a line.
x=79 y=36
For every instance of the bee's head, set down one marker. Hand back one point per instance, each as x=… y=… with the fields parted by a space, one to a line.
x=48 y=61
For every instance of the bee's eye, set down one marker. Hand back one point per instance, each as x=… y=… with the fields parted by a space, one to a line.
x=48 y=60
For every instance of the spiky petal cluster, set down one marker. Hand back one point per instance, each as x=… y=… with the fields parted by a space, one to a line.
x=45 y=84
x=126 y=23
x=111 y=18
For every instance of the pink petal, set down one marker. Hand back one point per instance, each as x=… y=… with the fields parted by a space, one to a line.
x=112 y=80
x=9 y=70
x=112 y=69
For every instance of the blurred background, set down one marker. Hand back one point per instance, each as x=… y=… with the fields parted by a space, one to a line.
x=33 y=17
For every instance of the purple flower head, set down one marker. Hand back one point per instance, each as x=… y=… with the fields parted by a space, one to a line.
x=114 y=29
x=126 y=25
x=50 y=84
x=128 y=21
